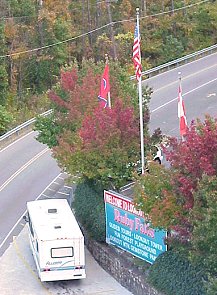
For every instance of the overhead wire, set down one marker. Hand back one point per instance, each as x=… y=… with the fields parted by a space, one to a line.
x=100 y=28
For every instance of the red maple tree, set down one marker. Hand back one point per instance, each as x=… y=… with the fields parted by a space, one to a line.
x=190 y=160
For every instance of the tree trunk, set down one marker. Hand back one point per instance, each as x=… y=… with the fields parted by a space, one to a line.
x=163 y=6
x=20 y=80
x=144 y=7
x=89 y=23
x=4 y=11
x=97 y=14
x=83 y=26
x=111 y=29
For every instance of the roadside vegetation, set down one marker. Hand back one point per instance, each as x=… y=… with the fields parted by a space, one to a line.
x=99 y=148
x=38 y=38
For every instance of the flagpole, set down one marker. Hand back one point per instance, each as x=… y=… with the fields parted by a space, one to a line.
x=109 y=97
x=182 y=111
x=180 y=86
x=140 y=102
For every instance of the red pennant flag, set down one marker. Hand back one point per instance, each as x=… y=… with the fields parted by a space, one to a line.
x=181 y=114
x=104 y=88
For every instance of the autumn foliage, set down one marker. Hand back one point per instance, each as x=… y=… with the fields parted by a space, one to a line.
x=87 y=140
x=102 y=147
x=169 y=196
x=155 y=197
x=75 y=96
x=193 y=157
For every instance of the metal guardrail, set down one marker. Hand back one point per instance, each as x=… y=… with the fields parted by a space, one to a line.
x=15 y=132
x=178 y=62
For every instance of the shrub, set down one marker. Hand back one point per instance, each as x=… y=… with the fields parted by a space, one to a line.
x=212 y=286
x=6 y=119
x=89 y=209
x=173 y=274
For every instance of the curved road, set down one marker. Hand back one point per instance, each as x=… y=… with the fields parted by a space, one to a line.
x=26 y=169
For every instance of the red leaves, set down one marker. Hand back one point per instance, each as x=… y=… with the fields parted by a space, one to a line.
x=190 y=161
x=68 y=80
x=78 y=96
x=117 y=125
x=195 y=156
x=57 y=99
x=95 y=143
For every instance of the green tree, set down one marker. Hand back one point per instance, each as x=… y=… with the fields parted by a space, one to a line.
x=5 y=120
x=154 y=195
x=171 y=48
x=204 y=217
x=90 y=142
x=106 y=143
x=204 y=236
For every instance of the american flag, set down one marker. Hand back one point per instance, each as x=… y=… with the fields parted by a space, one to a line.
x=137 y=54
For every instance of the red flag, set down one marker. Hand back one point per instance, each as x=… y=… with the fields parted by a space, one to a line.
x=181 y=114
x=104 y=88
x=137 y=54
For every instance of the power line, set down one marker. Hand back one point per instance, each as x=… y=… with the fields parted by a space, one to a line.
x=100 y=28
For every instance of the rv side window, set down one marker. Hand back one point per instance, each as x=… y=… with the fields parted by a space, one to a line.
x=31 y=228
x=62 y=252
x=36 y=245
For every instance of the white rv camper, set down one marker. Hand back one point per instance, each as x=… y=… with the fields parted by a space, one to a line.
x=56 y=240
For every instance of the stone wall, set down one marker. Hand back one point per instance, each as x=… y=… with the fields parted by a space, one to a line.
x=121 y=266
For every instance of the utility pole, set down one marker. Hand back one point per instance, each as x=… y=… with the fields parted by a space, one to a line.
x=40 y=3
x=172 y=6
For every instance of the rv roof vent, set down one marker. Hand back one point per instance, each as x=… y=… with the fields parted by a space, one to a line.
x=52 y=210
x=57 y=226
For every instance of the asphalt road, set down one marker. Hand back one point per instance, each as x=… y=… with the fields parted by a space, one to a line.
x=199 y=91
x=19 y=275
x=26 y=170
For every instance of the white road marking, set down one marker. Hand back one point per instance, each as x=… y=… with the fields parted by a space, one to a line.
x=22 y=168
x=211 y=94
x=184 y=78
x=66 y=186
x=174 y=99
x=61 y=193
x=8 y=235
x=16 y=141
x=50 y=189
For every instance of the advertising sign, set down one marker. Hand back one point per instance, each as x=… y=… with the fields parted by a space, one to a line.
x=127 y=229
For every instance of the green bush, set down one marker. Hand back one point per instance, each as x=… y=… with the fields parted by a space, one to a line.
x=6 y=119
x=212 y=286
x=89 y=209
x=174 y=275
